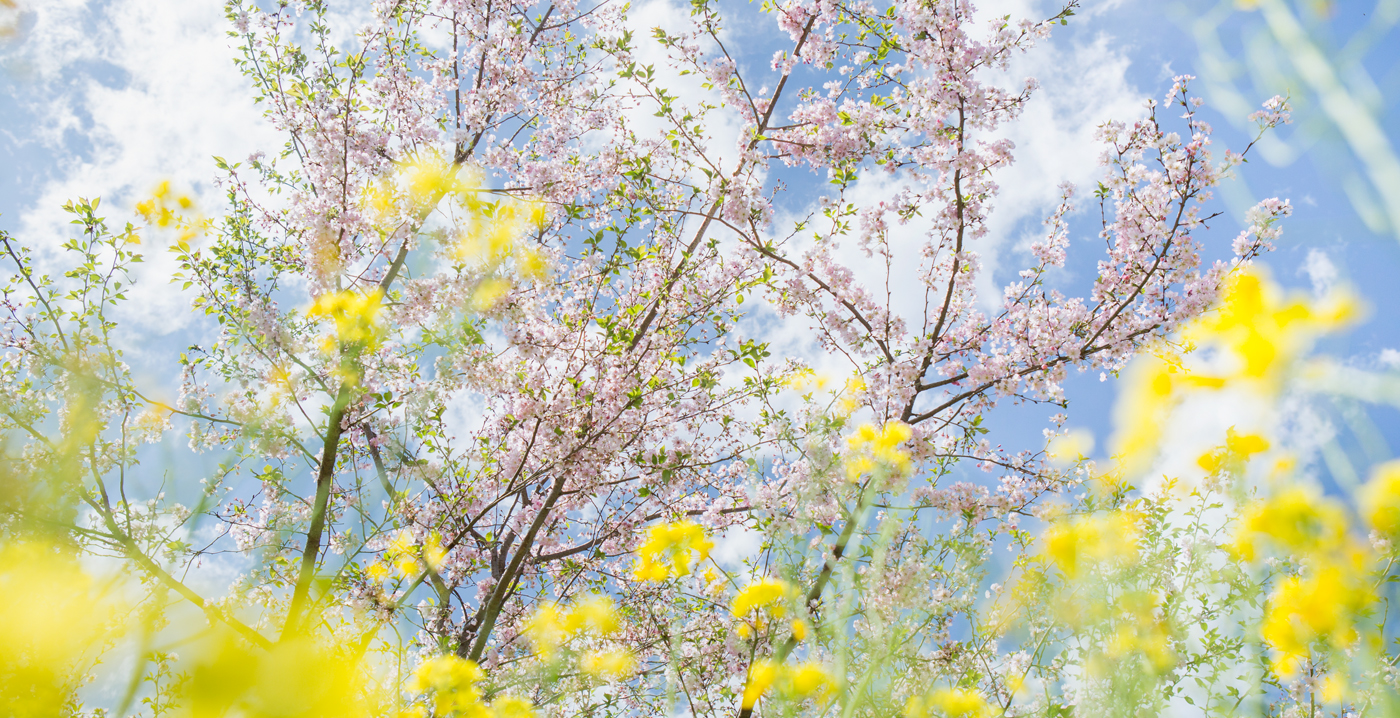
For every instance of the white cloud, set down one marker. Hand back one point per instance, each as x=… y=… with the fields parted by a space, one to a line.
x=1082 y=86
x=123 y=95
x=1320 y=271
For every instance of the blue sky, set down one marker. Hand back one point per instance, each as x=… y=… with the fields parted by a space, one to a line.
x=105 y=98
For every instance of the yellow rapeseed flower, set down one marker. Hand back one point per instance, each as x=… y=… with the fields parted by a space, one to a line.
x=356 y=315
x=453 y=682
x=508 y=706
x=949 y=702
x=1238 y=448
x=547 y=629
x=670 y=550
x=1321 y=608
x=1379 y=499
x=871 y=446
x=54 y=619
x=551 y=625
x=596 y=614
x=613 y=665
x=761 y=677
x=799 y=682
x=1295 y=520
x=769 y=595
x=810 y=679
x=1098 y=538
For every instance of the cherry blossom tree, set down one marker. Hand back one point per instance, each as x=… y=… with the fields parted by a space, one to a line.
x=491 y=325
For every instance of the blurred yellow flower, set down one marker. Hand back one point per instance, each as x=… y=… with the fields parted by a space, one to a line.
x=1295 y=520
x=303 y=677
x=1070 y=447
x=453 y=683
x=768 y=595
x=613 y=665
x=356 y=315
x=949 y=702
x=1322 y=607
x=1260 y=334
x=596 y=614
x=799 y=682
x=1237 y=448
x=546 y=629
x=54 y=622
x=508 y=706
x=871 y=446
x=1379 y=499
x=670 y=550
x=761 y=677
x=1091 y=539
x=551 y=625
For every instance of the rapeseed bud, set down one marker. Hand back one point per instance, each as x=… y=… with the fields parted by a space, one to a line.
x=670 y=550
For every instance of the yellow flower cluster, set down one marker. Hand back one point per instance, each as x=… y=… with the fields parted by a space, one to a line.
x=406 y=558
x=1296 y=521
x=1322 y=603
x=769 y=598
x=1321 y=607
x=1381 y=499
x=1073 y=545
x=166 y=208
x=1139 y=635
x=1260 y=334
x=493 y=229
x=453 y=683
x=873 y=447
x=799 y=682
x=670 y=550
x=421 y=181
x=949 y=702
x=769 y=595
x=614 y=665
x=356 y=316
x=1263 y=330
x=552 y=625
x=54 y=618
x=1237 y=450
